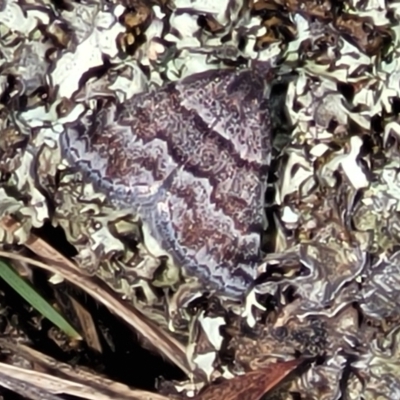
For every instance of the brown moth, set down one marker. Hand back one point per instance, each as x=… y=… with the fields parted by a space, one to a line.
x=191 y=159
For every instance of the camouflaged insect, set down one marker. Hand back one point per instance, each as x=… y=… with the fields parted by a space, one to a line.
x=191 y=159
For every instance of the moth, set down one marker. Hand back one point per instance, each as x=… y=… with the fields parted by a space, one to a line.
x=191 y=159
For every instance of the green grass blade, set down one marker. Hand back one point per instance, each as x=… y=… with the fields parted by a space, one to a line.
x=26 y=291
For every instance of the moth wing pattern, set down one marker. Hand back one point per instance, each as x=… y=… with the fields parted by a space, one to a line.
x=191 y=158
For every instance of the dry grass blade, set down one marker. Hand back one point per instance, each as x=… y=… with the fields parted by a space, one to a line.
x=56 y=263
x=88 y=327
x=24 y=389
x=250 y=386
x=43 y=386
x=60 y=378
